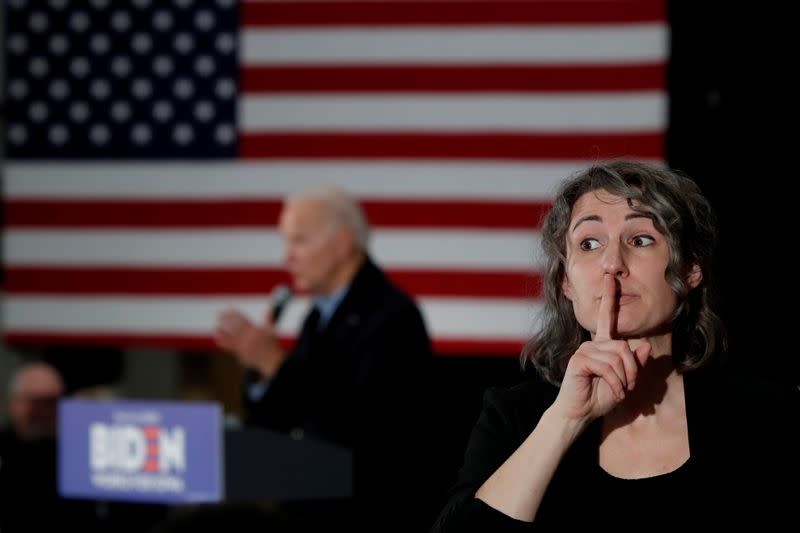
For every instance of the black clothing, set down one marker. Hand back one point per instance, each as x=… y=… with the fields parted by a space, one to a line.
x=744 y=440
x=30 y=502
x=28 y=497
x=361 y=382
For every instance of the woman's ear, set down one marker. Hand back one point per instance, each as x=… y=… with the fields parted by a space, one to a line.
x=566 y=288
x=695 y=276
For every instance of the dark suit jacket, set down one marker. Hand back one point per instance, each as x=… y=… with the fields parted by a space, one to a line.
x=361 y=382
x=744 y=438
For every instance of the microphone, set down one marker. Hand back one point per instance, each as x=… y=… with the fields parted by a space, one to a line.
x=281 y=294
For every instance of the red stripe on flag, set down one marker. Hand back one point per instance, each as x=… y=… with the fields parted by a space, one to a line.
x=483 y=348
x=442 y=347
x=472 y=146
x=151 y=213
x=197 y=282
x=259 y=213
x=451 y=13
x=459 y=79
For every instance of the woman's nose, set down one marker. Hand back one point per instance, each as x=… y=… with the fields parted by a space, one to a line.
x=614 y=260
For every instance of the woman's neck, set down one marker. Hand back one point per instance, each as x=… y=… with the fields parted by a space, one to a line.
x=657 y=398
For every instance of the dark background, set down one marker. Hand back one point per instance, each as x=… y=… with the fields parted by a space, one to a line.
x=734 y=110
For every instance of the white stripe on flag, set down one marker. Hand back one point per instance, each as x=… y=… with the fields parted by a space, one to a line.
x=643 y=111
x=218 y=180
x=420 y=249
x=451 y=317
x=631 y=43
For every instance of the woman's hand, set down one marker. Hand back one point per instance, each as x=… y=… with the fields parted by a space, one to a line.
x=602 y=370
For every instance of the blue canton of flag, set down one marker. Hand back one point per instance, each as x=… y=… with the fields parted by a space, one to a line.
x=121 y=79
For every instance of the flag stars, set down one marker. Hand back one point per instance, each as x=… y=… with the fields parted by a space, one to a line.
x=99 y=134
x=38 y=22
x=59 y=89
x=17 y=134
x=224 y=134
x=58 y=134
x=122 y=79
x=204 y=20
x=142 y=43
x=59 y=44
x=38 y=111
x=141 y=134
x=121 y=21
x=162 y=20
x=18 y=89
x=38 y=67
x=100 y=44
x=79 y=111
x=162 y=111
x=17 y=44
x=184 y=88
x=163 y=66
x=142 y=88
x=204 y=111
x=121 y=111
x=79 y=67
x=204 y=65
x=183 y=134
x=225 y=88
x=225 y=43
x=79 y=22
x=183 y=43
x=100 y=89
x=121 y=66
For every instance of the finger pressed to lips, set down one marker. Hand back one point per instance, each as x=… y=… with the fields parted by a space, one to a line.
x=606 y=310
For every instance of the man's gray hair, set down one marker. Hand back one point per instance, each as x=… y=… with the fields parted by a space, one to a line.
x=342 y=209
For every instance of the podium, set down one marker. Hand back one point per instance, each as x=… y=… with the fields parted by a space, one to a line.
x=261 y=464
x=179 y=453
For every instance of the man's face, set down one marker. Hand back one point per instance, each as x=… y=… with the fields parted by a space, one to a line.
x=314 y=251
x=32 y=404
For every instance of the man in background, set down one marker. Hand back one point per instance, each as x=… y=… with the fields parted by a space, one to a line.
x=29 y=497
x=28 y=493
x=357 y=374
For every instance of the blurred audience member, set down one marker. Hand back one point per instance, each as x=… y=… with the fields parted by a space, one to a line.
x=29 y=497
x=28 y=450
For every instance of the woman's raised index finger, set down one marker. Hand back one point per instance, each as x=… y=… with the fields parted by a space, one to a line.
x=607 y=310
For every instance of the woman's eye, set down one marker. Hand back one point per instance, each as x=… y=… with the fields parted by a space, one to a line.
x=642 y=240
x=589 y=244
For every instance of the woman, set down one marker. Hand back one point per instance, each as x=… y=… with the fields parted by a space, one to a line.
x=634 y=423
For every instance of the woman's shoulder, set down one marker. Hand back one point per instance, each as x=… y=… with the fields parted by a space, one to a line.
x=745 y=391
x=510 y=412
x=525 y=400
x=747 y=382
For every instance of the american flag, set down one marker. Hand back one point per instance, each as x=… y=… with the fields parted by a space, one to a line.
x=149 y=145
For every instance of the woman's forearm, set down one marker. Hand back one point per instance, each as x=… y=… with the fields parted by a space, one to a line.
x=518 y=486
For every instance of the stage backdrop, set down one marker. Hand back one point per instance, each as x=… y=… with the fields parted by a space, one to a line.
x=150 y=144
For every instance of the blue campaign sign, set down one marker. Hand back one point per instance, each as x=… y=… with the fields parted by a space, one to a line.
x=140 y=451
